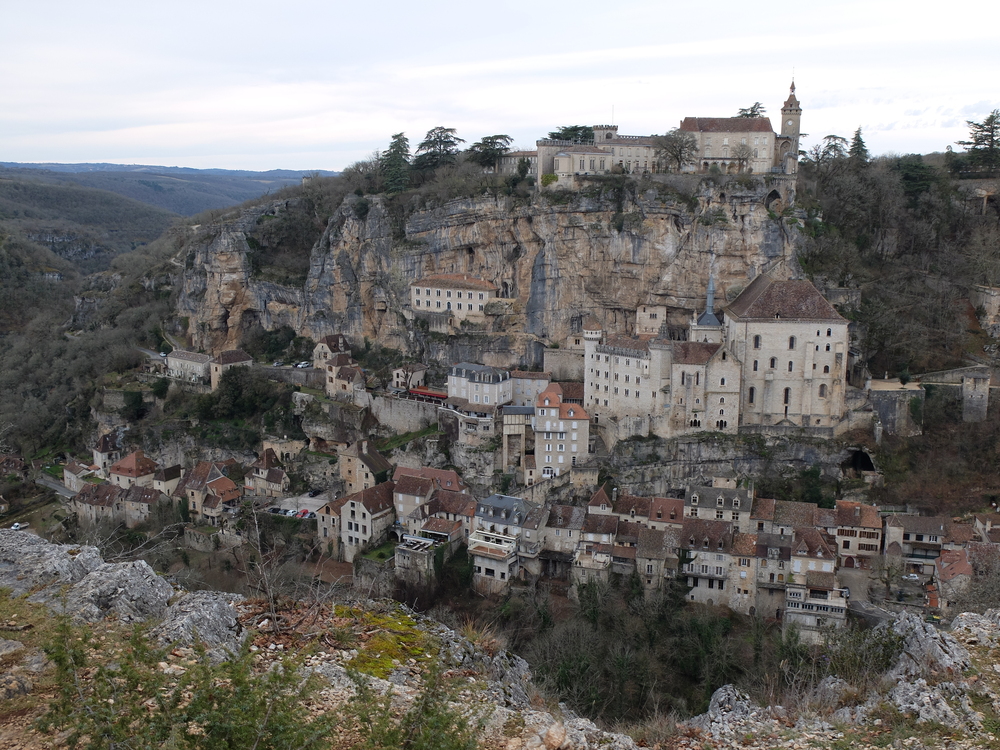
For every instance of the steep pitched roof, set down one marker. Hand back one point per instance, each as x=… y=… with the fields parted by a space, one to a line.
x=857 y=514
x=416 y=486
x=600 y=524
x=134 y=465
x=717 y=533
x=766 y=298
x=694 y=352
x=566 y=517
x=666 y=509
x=456 y=503
x=100 y=495
x=232 y=357
x=794 y=514
x=374 y=499
x=446 y=479
x=268 y=460
x=145 y=495
x=726 y=125
x=108 y=443
x=629 y=505
x=365 y=452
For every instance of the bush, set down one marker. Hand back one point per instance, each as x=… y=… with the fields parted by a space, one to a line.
x=130 y=702
x=548 y=179
x=160 y=387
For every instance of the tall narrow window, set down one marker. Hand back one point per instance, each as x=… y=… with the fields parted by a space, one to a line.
x=788 y=396
x=756 y=342
x=822 y=390
x=751 y=395
x=755 y=365
x=791 y=342
x=774 y=362
x=790 y=365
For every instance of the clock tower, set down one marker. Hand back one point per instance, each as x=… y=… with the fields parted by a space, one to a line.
x=791 y=116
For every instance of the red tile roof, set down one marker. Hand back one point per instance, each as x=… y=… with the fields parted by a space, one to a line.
x=134 y=465
x=726 y=125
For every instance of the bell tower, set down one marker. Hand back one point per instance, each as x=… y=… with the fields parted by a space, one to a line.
x=791 y=117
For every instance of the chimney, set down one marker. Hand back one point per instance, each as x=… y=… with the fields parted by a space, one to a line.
x=614 y=495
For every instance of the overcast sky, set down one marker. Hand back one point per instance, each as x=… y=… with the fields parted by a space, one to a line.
x=318 y=85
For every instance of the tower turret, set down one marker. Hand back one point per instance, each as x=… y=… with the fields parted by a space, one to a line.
x=791 y=115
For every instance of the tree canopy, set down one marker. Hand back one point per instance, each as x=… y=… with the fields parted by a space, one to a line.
x=439 y=147
x=984 y=141
x=488 y=152
x=677 y=148
x=754 y=110
x=858 y=152
x=394 y=164
x=576 y=133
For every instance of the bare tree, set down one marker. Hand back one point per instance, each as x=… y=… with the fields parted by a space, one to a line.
x=742 y=153
x=677 y=148
x=887 y=569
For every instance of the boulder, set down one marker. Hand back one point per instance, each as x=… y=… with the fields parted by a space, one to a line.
x=132 y=591
x=29 y=563
x=926 y=650
x=206 y=616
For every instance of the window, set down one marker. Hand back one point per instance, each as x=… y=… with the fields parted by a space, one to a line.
x=826 y=369
x=755 y=365
x=829 y=331
x=774 y=362
x=822 y=390
x=788 y=396
x=722 y=381
x=756 y=342
x=791 y=365
x=791 y=342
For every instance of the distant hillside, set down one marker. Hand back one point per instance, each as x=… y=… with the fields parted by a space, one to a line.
x=179 y=190
x=81 y=224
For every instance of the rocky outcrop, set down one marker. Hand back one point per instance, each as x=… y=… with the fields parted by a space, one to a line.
x=556 y=260
x=208 y=616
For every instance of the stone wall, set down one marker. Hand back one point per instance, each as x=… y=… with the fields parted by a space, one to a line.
x=197 y=540
x=564 y=364
x=403 y=414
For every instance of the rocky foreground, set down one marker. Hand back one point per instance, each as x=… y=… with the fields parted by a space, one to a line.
x=944 y=690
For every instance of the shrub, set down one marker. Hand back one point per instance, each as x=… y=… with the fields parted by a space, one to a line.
x=548 y=179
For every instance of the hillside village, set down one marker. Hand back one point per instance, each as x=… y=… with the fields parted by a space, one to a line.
x=774 y=360
x=598 y=416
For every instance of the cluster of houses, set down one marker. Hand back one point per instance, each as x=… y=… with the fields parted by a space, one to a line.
x=128 y=489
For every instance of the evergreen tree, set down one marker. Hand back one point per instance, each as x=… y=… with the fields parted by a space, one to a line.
x=858 y=152
x=439 y=147
x=575 y=133
x=488 y=152
x=754 y=110
x=395 y=164
x=984 y=141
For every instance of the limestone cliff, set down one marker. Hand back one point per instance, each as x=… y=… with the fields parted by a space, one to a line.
x=557 y=258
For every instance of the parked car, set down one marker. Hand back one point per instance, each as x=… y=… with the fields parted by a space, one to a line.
x=289 y=513
x=163 y=354
x=302 y=514
x=274 y=509
x=19 y=526
x=911 y=577
x=312 y=514
x=314 y=492
x=279 y=363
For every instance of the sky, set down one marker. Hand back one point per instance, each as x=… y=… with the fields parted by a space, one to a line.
x=299 y=84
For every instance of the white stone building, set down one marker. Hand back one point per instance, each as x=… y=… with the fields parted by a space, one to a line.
x=460 y=295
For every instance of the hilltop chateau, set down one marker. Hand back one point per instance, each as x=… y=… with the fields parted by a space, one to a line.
x=717 y=141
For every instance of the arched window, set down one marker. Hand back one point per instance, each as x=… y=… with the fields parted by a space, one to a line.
x=826 y=368
x=774 y=362
x=751 y=394
x=788 y=396
x=756 y=342
x=791 y=365
x=755 y=365
x=829 y=331
x=791 y=342
x=722 y=400
x=722 y=381
x=822 y=390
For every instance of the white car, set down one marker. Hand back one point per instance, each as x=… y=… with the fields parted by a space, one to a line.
x=911 y=577
x=19 y=526
x=303 y=365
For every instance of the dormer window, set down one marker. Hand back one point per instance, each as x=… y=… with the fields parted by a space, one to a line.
x=704 y=544
x=694 y=499
x=719 y=501
x=691 y=542
x=604 y=506
x=720 y=544
x=736 y=502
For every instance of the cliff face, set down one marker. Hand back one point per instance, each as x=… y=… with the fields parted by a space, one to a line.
x=555 y=260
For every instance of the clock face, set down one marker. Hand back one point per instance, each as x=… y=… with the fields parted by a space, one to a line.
x=789 y=122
